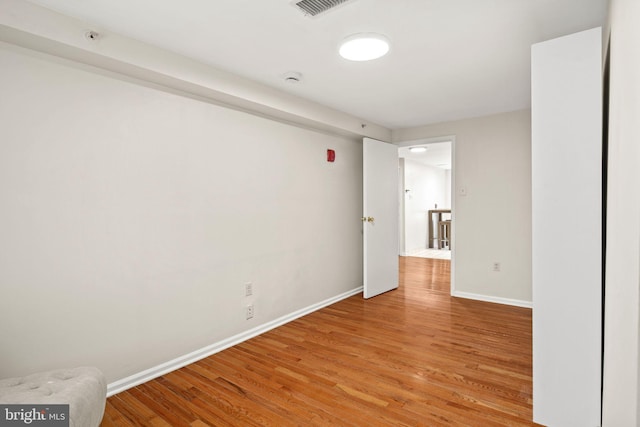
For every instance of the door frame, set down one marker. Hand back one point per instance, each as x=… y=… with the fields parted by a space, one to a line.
x=427 y=141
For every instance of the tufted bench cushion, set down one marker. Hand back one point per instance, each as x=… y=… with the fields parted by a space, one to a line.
x=84 y=389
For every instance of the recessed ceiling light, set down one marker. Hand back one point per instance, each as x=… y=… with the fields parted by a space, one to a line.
x=364 y=47
x=418 y=149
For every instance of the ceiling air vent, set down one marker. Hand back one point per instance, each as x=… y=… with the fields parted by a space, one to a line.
x=316 y=7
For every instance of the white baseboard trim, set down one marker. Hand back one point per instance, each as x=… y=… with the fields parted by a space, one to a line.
x=498 y=300
x=179 y=362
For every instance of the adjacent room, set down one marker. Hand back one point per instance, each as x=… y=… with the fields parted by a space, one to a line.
x=425 y=200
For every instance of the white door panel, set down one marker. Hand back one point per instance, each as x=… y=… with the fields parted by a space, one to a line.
x=380 y=217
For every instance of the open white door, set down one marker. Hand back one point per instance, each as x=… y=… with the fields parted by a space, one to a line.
x=380 y=216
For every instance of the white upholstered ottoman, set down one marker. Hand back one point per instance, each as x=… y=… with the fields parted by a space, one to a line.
x=84 y=389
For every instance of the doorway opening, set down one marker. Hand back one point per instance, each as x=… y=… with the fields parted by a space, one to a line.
x=426 y=211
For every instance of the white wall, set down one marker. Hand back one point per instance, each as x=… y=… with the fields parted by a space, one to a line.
x=622 y=332
x=566 y=93
x=427 y=187
x=447 y=188
x=130 y=218
x=493 y=221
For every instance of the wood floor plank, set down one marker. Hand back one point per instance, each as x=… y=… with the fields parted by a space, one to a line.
x=414 y=356
x=114 y=414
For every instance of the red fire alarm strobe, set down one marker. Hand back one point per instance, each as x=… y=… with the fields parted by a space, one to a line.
x=331 y=156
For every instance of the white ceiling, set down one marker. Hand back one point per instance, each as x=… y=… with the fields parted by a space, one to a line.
x=438 y=154
x=450 y=59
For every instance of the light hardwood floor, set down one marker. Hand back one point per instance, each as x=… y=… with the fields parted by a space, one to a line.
x=411 y=357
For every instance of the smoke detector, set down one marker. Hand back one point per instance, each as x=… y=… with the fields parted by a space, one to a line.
x=292 y=77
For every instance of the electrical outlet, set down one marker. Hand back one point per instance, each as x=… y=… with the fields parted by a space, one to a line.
x=250 y=311
x=248 y=289
x=496 y=266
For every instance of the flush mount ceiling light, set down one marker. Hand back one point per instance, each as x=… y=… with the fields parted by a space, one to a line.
x=364 y=47
x=418 y=149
